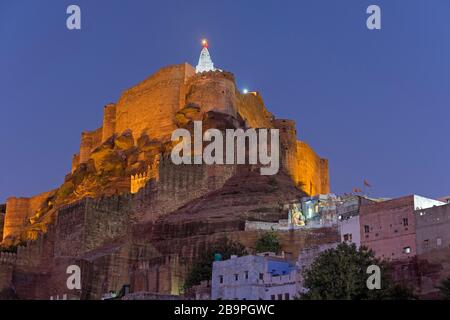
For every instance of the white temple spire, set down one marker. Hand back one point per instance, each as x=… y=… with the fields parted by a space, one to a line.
x=204 y=62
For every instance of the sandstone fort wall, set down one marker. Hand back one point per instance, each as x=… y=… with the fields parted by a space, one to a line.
x=109 y=121
x=19 y=211
x=253 y=111
x=149 y=107
x=213 y=91
x=312 y=171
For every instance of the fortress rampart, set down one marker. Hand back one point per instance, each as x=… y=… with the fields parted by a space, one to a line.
x=312 y=171
x=213 y=91
x=109 y=121
x=306 y=168
x=19 y=211
x=253 y=111
x=150 y=108
x=177 y=185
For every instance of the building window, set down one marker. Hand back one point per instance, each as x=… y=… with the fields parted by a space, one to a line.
x=439 y=242
x=220 y=279
x=407 y=250
x=261 y=276
x=348 y=237
x=246 y=274
x=405 y=222
x=426 y=243
x=236 y=277
x=272 y=297
x=366 y=229
x=280 y=297
x=286 y=296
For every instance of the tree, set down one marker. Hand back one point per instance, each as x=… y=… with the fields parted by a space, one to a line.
x=202 y=268
x=444 y=289
x=268 y=242
x=340 y=273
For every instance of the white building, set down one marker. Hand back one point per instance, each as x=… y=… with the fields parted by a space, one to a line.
x=254 y=277
x=350 y=230
x=205 y=63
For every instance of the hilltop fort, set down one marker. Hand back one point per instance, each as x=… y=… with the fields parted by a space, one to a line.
x=128 y=215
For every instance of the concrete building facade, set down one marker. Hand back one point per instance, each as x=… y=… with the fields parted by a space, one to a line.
x=389 y=227
x=254 y=277
x=432 y=228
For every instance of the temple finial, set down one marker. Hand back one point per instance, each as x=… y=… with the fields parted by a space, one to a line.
x=204 y=62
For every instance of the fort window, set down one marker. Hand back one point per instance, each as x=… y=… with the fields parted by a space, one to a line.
x=272 y=297
x=405 y=222
x=366 y=229
x=407 y=250
x=425 y=243
x=236 y=277
x=261 y=276
x=220 y=279
x=286 y=296
x=280 y=296
x=246 y=274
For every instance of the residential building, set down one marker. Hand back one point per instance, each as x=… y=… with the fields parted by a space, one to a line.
x=254 y=277
x=389 y=227
x=432 y=228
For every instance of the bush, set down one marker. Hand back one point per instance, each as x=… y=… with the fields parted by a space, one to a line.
x=201 y=270
x=268 y=242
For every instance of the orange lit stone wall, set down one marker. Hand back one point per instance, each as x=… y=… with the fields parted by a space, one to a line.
x=213 y=91
x=252 y=110
x=150 y=106
x=2 y=221
x=311 y=171
x=109 y=121
x=19 y=211
x=89 y=141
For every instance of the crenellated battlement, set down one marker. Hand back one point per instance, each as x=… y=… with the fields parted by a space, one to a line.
x=217 y=74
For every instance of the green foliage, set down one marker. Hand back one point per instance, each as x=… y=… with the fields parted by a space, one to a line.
x=268 y=242
x=444 y=289
x=341 y=274
x=202 y=267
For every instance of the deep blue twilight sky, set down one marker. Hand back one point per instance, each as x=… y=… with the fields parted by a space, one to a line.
x=375 y=103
